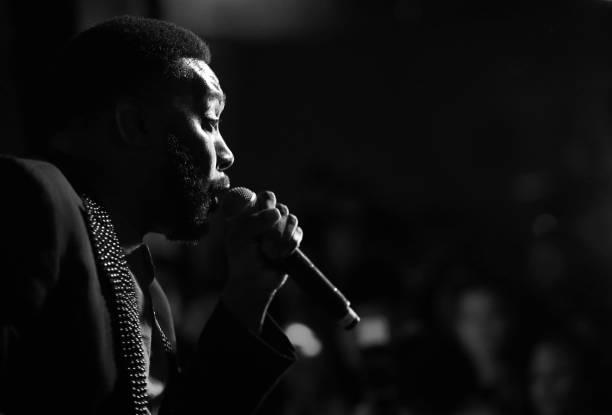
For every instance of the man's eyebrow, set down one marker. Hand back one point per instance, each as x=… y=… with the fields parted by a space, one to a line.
x=206 y=91
x=219 y=95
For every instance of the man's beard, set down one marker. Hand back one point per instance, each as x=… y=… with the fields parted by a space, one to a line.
x=192 y=197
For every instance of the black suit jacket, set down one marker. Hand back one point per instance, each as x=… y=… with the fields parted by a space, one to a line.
x=56 y=342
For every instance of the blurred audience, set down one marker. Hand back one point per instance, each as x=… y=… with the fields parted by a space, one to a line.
x=479 y=320
x=558 y=378
x=434 y=339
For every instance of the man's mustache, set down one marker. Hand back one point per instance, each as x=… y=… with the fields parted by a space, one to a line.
x=219 y=185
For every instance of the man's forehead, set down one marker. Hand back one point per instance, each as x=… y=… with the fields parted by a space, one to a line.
x=205 y=74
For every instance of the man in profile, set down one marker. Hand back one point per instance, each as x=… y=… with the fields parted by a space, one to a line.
x=84 y=326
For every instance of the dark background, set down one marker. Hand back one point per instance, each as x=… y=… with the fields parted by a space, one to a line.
x=411 y=138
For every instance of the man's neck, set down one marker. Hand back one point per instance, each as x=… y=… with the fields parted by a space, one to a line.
x=127 y=220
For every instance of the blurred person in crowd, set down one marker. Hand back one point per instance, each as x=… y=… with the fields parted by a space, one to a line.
x=136 y=149
x=375 y=339
x=481 y=325
x=465 y=367
x=558 y=381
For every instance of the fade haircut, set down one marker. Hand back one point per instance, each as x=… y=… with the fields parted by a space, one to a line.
x=124 y=56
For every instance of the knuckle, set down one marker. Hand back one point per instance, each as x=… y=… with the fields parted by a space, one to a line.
x=276 y=214
x=266 y=199
x=267 y=195
x=296 y=235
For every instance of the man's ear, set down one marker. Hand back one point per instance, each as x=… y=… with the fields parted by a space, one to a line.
x=130 y=121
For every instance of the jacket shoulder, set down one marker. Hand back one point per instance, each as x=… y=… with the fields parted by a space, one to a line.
x=40 y=176
x=38 y=214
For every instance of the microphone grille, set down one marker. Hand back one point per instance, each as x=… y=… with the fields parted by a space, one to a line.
x=236 y=199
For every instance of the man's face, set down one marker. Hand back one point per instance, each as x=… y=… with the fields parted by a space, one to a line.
x=195 y=155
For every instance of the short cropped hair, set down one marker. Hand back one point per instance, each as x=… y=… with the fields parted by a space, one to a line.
x=122 y=56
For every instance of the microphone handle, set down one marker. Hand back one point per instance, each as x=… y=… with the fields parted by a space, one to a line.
x=313 y=281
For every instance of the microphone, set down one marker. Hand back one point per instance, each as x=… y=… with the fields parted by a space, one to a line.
x=301 y=269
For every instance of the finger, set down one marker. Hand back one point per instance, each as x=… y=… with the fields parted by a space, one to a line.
x=261 y=222
x=284 y=210
x=278 y=231
x=265 y=200
x=295 y=241
x=292 y=235
x=291 y=225
x=298 y=236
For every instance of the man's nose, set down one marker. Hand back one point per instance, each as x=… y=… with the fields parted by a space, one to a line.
x=225 y=158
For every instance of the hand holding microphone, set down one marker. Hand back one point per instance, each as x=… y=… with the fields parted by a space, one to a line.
x=263 y=238
x=254 y=228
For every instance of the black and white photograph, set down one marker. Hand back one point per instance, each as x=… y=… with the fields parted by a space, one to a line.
x=306 y=207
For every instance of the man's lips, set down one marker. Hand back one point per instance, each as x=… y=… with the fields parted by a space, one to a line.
x=217 y=192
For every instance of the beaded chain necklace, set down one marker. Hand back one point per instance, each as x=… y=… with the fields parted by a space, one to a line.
x=123 y=305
